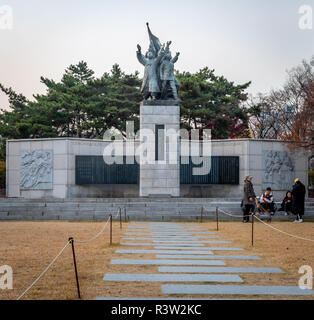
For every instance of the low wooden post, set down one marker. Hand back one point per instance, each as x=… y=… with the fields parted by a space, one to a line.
x=202 y=208
x=75 y=268
x=120 y=218
x=252 y=230
x=217 y=219
x=110 y=229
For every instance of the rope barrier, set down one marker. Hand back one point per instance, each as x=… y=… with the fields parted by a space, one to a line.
x=41 y=275
x=98 y=234
x=61 y=251
x=232 y=215
x=268 y=225
x=284 y=232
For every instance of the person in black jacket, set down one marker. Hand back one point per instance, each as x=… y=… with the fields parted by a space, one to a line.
x=249 y=198
x=286 y=204
x=298 y=198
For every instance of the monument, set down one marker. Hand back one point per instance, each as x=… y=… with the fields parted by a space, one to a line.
x=69 y=168
x=159 y=121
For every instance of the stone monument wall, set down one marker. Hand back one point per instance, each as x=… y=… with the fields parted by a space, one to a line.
x=55 y=178
x=45 y=168
x=253 y=154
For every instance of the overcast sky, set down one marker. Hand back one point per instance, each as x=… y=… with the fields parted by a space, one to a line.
x=244 y=40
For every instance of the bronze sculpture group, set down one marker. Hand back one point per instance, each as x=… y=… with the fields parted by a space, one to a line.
x=159 y=82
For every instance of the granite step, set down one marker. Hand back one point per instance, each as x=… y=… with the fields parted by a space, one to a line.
x=184 y=209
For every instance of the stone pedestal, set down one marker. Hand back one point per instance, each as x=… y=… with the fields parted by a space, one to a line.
x=160 y=167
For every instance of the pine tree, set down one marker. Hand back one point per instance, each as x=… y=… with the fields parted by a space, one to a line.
x=211 y=102
x=80 y=105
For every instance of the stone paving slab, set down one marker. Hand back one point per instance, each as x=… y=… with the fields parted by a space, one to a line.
x=172 y=277
x=168 y=235
x=153 y=244
x=187 y=236
x=183 y=236
x=204 y=256
x=219 y=270
x=198 y=248
x=168 y=238
x=234 y=290
x=185 y=232
x=168 y=262
x=180 y=227
x=137 y=234
x=194 y=242
x=177 y=234
x=163 y=251
x=194 y=231
x=169 y=227
x=160 y=298
x=158 y=223
x=177 y=229
x=137 y=244
x=152 y=238
x=192 y=234
x=161 y=232
x=138 y=227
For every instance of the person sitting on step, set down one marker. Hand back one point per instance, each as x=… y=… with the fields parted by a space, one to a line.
x=286 y=204
x=266 y=205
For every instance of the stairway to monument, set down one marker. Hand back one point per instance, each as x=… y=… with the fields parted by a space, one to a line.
x=136 y=209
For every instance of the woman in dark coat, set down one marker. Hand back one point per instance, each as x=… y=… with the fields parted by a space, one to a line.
x=298 y=198
x=249 y=197
x=286 y=204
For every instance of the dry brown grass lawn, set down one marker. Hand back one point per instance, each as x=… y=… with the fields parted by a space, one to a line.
x=28 y=247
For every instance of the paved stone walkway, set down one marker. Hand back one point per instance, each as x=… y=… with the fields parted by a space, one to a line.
x=183 y=255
